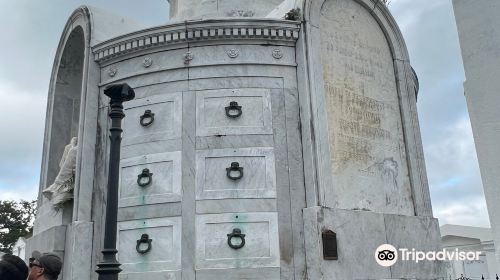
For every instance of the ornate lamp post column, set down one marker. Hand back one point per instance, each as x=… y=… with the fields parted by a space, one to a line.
x=110 y=267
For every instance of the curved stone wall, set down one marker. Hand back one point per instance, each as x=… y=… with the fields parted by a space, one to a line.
x=206 y=148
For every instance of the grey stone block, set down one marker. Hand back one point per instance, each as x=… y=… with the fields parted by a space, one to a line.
x=359 y=234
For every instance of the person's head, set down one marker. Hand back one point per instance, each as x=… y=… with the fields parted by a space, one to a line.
x=44 y=267
x=12 y=267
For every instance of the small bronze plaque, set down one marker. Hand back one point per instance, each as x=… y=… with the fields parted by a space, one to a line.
x=329 y=245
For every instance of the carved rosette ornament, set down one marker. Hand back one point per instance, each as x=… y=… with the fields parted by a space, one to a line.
x=277 y=53
x=233 y=53
x=148 y=61
x=112 y=71
x=188 y=57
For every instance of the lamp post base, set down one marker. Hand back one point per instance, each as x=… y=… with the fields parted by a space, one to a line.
x=109 y=268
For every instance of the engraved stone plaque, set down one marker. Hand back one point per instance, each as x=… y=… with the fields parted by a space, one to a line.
x=367 y=148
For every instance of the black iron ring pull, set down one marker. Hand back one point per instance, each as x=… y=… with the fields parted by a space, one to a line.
x=144 y=239
x=145 y=178
x=233 y=110
x=150 y=117
x=236 y=234
x=235 y=168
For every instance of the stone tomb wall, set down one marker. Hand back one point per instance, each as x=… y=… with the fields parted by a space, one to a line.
x=363 y=109
x=368 y=157
x=359 y=233
x=214 y=106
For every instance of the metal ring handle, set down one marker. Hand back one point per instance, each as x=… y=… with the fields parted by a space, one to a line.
x=146 y=240
x=233 y=106
x=147 y=116
x=236 y=234
x=235 y=167
x=144 y=174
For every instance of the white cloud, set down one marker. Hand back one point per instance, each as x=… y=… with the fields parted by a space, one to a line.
x=454 y=154
x=454 y=177
x=22 y=123
x=469 y=213
x=27 y=193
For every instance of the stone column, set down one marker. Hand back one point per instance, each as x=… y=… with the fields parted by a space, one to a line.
x=479 y=36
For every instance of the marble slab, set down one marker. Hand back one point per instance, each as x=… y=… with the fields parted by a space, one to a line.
x=166 y=122
x=253 y=117
x=367 y=145
x=261 y=247
x=166 y=179
x=258 y=178
x=359 y=234
x=165 y=252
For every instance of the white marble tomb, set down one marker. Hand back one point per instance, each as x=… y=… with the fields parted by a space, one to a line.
x=276 y=129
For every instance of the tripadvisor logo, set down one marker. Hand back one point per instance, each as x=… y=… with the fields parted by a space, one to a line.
x=387 y=255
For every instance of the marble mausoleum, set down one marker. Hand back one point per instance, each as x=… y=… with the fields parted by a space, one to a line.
x=291 y=126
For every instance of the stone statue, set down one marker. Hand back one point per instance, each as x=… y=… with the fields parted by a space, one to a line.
x=62 y=188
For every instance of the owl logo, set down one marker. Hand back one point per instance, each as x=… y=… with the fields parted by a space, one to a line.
x=386 y=255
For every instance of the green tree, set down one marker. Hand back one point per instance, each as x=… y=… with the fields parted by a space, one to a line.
x=16 y=220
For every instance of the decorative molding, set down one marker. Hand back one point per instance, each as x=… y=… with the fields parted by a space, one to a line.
x=248 y=29
x=148 y=61
x=112 y=71
x=188 y=57
x=240 y=13
x=277 y=53
x=233 y=53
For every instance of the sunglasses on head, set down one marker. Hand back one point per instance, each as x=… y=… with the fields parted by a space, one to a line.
x=32 y=264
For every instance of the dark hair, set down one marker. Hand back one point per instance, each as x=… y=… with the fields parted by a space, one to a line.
x=13 y=268
x=17 y=262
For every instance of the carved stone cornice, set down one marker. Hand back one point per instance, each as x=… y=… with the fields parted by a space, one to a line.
x=268 y=30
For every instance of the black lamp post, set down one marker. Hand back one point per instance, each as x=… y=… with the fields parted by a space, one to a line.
x=110 y=267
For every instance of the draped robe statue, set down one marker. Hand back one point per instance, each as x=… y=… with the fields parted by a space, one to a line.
x=62 y=188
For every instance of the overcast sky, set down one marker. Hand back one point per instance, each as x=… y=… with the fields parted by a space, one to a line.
x=30 y=32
